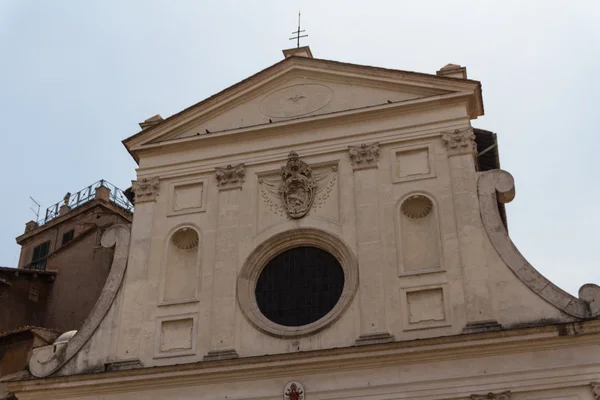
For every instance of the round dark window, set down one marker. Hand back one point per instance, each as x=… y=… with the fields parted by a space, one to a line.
x=299 y=286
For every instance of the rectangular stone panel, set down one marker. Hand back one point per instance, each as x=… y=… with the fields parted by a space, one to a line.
x=425 y=305
x=176 y=336
x=187 y=196
x=412 y=163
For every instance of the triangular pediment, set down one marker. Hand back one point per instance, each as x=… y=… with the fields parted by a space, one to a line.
x=298 y=89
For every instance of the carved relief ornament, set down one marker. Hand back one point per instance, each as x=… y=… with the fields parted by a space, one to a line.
x=325 y=180
x=461 y=141
x=145 y=189
x=596 y=389
x=364 y=156
x=294 y=390
x=298 y=187
x=230 y=177
x=492 y=396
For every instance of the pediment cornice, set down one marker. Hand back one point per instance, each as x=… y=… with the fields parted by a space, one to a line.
x=430 y=87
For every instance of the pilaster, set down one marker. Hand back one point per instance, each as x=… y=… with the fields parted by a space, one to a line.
x=364 y=160
x=461 y=150
x=146 y=191
x=229 y=183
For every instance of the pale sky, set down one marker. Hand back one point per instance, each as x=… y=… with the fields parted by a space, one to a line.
x=77 y=76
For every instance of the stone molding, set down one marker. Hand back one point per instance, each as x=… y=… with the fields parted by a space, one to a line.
x=47 y=360
x=145 y=189
x=498 y=186
x=459 y=142
x=277 y=244
x=364 y=156
x=456 y=347
x=507 y=395
x=230 y=177
x=595 y=386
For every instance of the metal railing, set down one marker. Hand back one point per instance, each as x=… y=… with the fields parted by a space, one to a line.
x=117 y=197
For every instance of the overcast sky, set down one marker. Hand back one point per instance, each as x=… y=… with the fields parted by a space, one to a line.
x=77 y=76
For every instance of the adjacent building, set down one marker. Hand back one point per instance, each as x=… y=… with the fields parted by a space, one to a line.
x=62 y=270
x=323 y=230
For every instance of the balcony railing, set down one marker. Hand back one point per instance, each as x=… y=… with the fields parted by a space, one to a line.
x=117 y=197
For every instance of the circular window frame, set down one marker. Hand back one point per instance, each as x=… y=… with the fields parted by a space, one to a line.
x=263 y=253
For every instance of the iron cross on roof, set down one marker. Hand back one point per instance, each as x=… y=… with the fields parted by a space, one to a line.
x=298 y=33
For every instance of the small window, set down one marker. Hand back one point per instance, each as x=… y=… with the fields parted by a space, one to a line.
x=67 y=237
x=33 y=293
x=40 y=252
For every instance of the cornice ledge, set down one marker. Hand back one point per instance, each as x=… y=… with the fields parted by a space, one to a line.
x=388 y=354
x=498 y=186
x=363 y=112
x=46 y=360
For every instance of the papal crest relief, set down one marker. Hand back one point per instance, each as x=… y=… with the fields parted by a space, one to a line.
x=298 y=188
x=294 y=390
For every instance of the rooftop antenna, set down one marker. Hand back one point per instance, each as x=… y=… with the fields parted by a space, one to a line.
x=298 y=33
x=36 y=211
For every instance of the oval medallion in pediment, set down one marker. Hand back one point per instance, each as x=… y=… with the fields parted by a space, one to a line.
x=295 y=101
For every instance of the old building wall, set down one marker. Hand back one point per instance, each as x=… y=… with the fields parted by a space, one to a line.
x=23 y=300
x=82 y=268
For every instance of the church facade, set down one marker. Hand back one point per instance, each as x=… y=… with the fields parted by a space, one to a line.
x=323 y=230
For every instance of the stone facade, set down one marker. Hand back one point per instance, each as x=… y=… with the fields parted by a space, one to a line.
x=378 y=168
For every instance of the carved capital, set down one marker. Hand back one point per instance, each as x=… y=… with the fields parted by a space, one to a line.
x=596 y=389
x=461 y=141
x=492 y=396
x=364 y=156
x=145 y=189
x=230 y=177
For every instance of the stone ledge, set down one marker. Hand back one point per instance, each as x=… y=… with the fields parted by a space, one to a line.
x=215 y=355
x=374 y=338
x=123 y=365
x=483 y=326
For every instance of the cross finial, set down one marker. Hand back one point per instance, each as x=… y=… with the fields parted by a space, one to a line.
x=298 y=33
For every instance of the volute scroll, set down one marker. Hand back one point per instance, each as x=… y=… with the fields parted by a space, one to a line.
x=498 y=186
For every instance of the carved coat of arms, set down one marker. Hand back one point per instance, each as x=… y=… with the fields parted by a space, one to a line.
x=293 y=391
x=298 y=187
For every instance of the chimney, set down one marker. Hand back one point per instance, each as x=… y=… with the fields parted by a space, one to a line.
x=102 y=192
x=157 y=119
x=31 y=225
x=65 y=207
x=453 y=71
x=303 y=51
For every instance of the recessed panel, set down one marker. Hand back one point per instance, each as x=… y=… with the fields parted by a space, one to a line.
x=176 y=335
x=425 y=306
x=413 y=162
x=188 y=197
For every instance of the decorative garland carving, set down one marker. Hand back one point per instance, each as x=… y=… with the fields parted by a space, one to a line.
x=364 y=156
x=46 y=360
x=324 y=182
x=230 y=177
x=145 y=189
x=492 y=396
x=498 y=186
x=461 y=141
